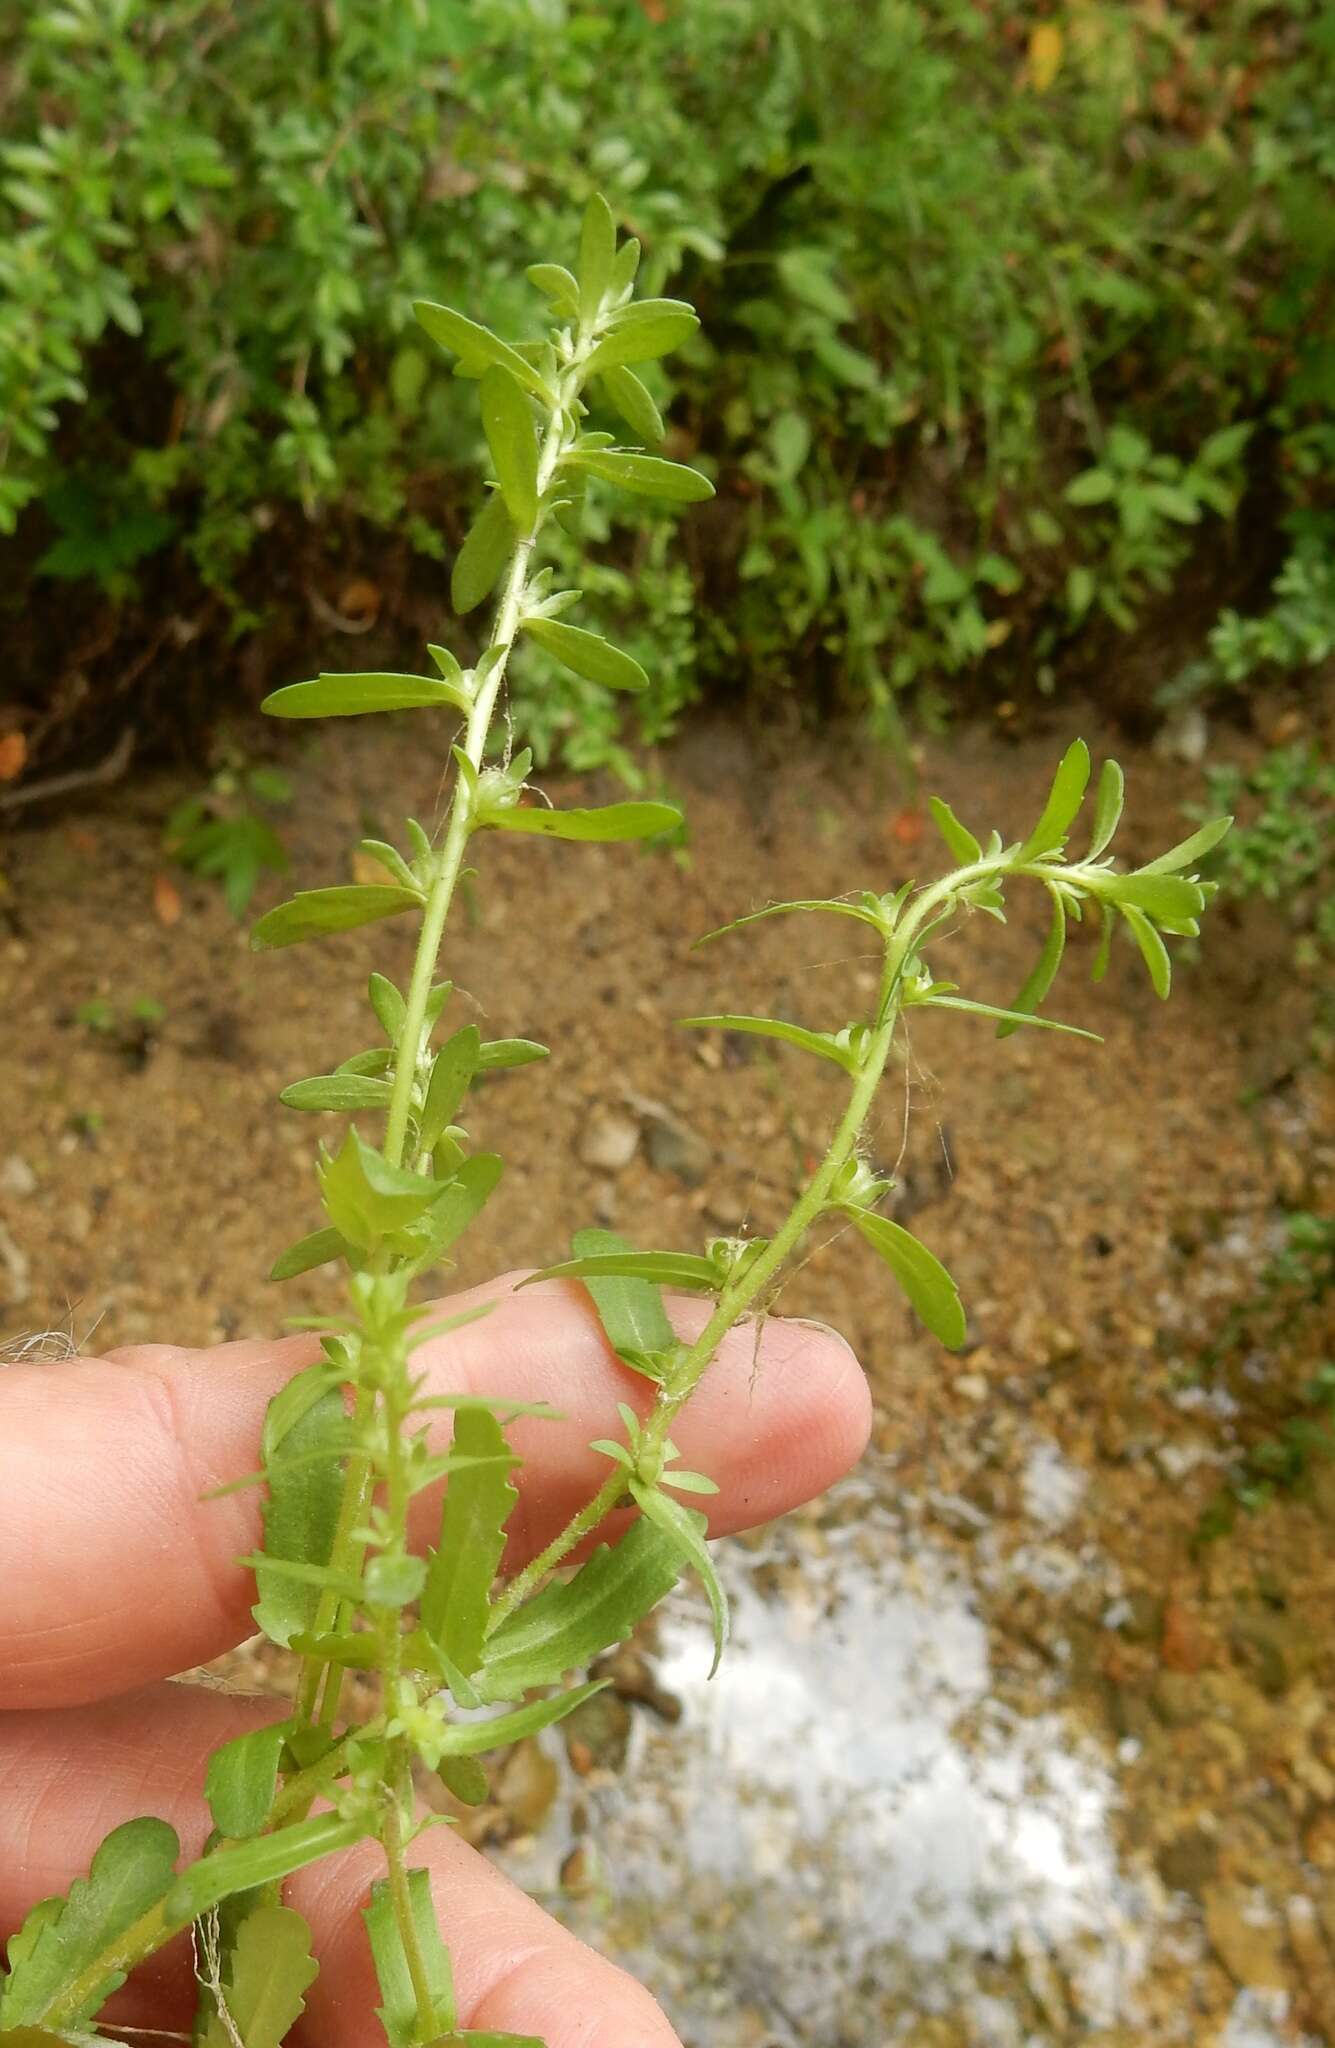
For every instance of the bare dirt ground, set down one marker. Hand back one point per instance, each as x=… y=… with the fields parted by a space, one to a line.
x=1099 y=1206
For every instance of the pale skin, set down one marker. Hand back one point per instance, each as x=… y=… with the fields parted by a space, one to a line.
x=120 y=1574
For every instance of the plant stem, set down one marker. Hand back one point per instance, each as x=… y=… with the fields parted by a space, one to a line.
x=735 y=1300
x=408 y=1051
x=440 y=896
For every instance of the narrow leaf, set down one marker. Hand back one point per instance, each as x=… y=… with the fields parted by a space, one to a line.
x=634 y=403
x=477 y=347
x=62 y=1938
x=930 y=1289
x=558 y=283
x=820 y=1042
x=652 y=328
x=861 y=911
x=1001 y=1016
x=315 y=912
x=498 y=1053
x=338 y=1092
x=389 y=1006
x=464 y=1196
x=241 y=1780
x=567 y=1625
x=348 y=696
x=307 y=1253
x=272 y=1969
x=664 y=1269
x=958 y=838
x=648 y=476
x=597 y=251
x=1044 y=972
x=264 y=1860
x=1107 y=808
x=478 y=1503
x=587 y=654
x=301 y=1511
x=486 y=550
x=685 y=1527
x=1064 y=800
x=630 y=1310
x=1152 y=949
x=399 y=2014
x=611 y=822
x=1189 y=851
x=507 y=418
x=451 y=1074
x=475 y=1738
x=1158 y=895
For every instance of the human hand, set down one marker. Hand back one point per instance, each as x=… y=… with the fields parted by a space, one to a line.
x=119 y=1573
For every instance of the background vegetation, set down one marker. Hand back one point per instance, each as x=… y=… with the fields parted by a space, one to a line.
x=1016 y=324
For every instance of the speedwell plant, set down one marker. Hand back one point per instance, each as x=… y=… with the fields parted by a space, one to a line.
x=346 y=1445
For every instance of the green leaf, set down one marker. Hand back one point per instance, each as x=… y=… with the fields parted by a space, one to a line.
x=665 y=1269
x=643 y=332
x=820 y=1042
x=1044 y=972
x=479 y=1501
x=475 y=1738
x=630 y=1310
x=1152 y=949
x=861 y=911
x=394 y=865
x=634 y=403
x=271 y=1970
x=685 y=1527
x=307 y=1253
x=487 y=548
x=496 y=1054
x=567 y=1625
x=648 y=476
x=610 y=822
x=264 y=1860
x=1002 y=1016
x=558 y=283
x=597 y=252
x=241 y=1780
x=1107 y=808
x=1158 y=895
x=315 y=912
x=366 y=1198
x=465 y=1194
x=62 y=1938
x=389 y=1006
x=930 y=1289
x=477 y=348
x=399 y=2014
x=465 y=1777
x=1064 y=800
x=348 y=696
x=337 y=1091
x=961 y=842
x=452 y=1071
x=1091 y=487
x=507 y=418
x=1189 y=851
x=587 y=654
x=301 y=1511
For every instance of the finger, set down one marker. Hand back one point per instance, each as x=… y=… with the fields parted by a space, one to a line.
x=69 y=1776
x=129 y=1574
